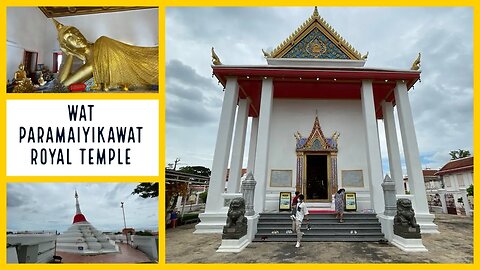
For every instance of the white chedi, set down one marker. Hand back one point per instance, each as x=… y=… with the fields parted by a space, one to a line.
x=83 y=238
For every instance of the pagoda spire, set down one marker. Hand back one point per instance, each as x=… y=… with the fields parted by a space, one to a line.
x=79 y=217
x=77 y=204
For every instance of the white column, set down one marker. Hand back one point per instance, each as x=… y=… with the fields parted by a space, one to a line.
x=412 y=159
x=233 y=184
x=374 y=159
x=253 y=145
x=261 y=156
x=222 y=147
x=392 y=147
x=466 y=204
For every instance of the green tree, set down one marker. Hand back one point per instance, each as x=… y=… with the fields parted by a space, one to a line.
x=198 y=170
x=470 y=190
x=460 y=153
x=203 y=196
x=147 y=190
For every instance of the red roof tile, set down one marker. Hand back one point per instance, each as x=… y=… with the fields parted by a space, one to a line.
x=457 y=165
x=429 y=172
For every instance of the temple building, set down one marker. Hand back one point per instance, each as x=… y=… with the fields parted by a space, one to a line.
x=83 y=238
x=314 y=108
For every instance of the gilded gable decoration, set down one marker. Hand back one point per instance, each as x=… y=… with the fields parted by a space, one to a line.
x=316 y=141
x=316 y=39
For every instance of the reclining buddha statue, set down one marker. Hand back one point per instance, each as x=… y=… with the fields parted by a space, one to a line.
x=111 y=63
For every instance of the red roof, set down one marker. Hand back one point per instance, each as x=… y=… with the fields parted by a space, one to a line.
x=429 y=172
x=457 y=165
x=315 y=82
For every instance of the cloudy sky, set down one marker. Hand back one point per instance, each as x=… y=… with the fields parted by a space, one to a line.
x=51 y=206
x=442 y=103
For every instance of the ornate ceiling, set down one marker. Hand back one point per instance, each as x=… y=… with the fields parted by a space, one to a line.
x=52 y=12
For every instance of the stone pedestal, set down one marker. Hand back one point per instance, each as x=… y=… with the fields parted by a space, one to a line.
x=408 y=245
x=234 y=245
x=387 y=226
x=212 y=222
x=252 y=222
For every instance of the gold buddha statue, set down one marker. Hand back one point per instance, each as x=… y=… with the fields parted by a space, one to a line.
x=22 y=84
x=111 y=63
x=20 y=74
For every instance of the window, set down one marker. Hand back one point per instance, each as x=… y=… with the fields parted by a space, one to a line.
x=460 y=180
x=447 y=182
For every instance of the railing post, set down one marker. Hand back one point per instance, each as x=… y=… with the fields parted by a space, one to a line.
x=389 y=196
x=248 y=193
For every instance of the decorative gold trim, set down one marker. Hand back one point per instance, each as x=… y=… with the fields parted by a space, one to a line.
x=215 y=59
x=54 y=12
x=416 y=63
x=315 y=21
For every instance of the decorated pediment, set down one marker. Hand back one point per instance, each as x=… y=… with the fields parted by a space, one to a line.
x=316 y=141
x=315 y=39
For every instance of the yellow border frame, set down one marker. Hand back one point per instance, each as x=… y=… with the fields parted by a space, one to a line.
x=161 y=98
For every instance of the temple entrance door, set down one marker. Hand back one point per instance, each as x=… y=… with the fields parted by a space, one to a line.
x=316 y=188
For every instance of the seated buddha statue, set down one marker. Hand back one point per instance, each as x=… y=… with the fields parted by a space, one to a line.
x=22 y=84
x=111 y=63
x=20 y=74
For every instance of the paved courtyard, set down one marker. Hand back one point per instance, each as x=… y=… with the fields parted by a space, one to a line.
x=454 y=244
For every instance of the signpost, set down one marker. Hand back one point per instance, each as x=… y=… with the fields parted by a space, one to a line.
x=284 y=203
x=350 y=201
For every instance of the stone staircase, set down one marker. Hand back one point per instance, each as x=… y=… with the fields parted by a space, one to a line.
x=273 y=227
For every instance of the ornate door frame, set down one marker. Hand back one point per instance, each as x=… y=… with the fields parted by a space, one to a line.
x=317 y=144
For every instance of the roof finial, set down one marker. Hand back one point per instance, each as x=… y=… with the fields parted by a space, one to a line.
x=265 y=54
x=365 y=56
x=416 y=63
x=315 y=12
x=215 y=58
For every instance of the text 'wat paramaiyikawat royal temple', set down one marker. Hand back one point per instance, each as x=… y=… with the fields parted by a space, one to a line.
x=314 y=109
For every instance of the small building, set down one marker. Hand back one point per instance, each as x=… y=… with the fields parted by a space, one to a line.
x=432 y=181
x=457 y=176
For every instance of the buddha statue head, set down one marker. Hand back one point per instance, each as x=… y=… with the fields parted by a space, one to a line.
x=72 y=41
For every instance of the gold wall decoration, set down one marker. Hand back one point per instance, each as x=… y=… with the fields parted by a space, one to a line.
x=54 y=12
